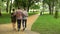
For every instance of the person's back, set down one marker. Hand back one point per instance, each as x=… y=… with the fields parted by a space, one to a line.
x=19 y=14
x=25 y=14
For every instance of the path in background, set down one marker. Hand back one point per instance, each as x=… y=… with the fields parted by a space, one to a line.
x=7 y=28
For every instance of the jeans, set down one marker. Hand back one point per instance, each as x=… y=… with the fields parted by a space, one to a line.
x=19 y=23
x=24 y=21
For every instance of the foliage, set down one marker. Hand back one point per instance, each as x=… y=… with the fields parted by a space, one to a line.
x=34 y=6
x=24 y=3
x=5 y=18
x=0 y=3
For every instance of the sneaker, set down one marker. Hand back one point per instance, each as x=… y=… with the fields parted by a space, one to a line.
x=18 y=29
x=23 y=29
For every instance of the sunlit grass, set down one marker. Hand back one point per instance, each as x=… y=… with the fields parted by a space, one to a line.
x=47 y=24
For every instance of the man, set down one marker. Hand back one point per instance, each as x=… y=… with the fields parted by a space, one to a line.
x=24 y=21
x=19 y=18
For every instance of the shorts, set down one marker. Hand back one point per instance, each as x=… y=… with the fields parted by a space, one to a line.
x=13 y=20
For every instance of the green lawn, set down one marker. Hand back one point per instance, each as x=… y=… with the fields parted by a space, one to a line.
x=32 y=13
x=5 y=18
x=47 y=24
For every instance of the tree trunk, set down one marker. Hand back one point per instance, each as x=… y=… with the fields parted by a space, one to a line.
x=0 y=7
x=43 y=7
x=56 y=14
x=28 y=8
x=10 y=9
x=0 y=12
x=33 y=10
x=10 y=6
x=41 y=13
x=50 y=10
x=56 y=10
x=7 y=5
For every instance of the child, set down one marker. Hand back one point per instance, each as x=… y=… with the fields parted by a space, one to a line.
x=24 y=20
x=13 y=19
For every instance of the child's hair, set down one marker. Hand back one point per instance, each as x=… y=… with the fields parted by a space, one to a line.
x=13 y=9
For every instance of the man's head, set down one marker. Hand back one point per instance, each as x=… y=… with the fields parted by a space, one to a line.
x=25 y=9
x=19 y=8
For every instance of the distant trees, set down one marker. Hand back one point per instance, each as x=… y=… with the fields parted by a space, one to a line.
x=34 y=7
x=24 y=3
x=51 y=4
x=28 y=3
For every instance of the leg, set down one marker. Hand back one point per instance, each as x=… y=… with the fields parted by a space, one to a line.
x=19 y=24
x=14 y=26
x=25 y=23
x=13 y=23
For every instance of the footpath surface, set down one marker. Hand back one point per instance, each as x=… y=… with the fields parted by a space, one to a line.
x=7 y=28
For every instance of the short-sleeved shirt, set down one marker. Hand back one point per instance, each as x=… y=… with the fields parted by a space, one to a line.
x=19 y=14
x=25 y=14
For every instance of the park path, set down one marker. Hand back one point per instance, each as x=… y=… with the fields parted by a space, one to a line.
x=7 y=28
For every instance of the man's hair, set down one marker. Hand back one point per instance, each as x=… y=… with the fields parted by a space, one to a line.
x=19 y=8
x=24 y=8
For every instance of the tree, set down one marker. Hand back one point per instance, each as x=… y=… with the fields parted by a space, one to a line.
x=43 y=8
x=31 y=2
x=34 y=6
x=10 y=6
x=0 y=6
x=7 y=8
x=56 y=9
x=51 y=4
x=24 y=3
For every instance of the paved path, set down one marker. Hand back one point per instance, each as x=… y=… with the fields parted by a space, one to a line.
x=7 y=28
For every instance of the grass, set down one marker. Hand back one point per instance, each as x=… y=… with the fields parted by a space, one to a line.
x=31 y=13
x=6 y=18
x=46 y=24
